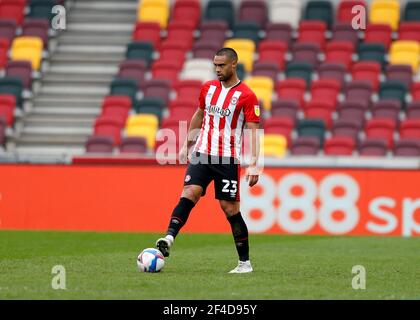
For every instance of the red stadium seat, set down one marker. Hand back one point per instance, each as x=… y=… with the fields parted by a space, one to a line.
x=273 y=51
x=188 y=89
x=352 y=110
x=266 y=69
x=117 y=107
x=291 y=89
x=279 y=125
x=358 y=90
x=339 y=146
x=184 y=10
x=168 y=70
x=109 y=126
x=307 y=53
x=214 y=30
x=133 y=145
x=320 y=110
x=157 y=88
x=409 y=30
x=8 y=30
x=305 y=146
x=4 y=49
x=340 y=52
x=13 y=10
x=191 y=104
x=22 y=70
x=325 y=90
x=99 y=144
x=181 y=32
x=133 y=69
x=407 y=148
x=2 y=132
x=373 y=147
x=367 y=71
x=311 y=31
x=37 y=28
x=413 y=110
x=148 y=31
x=378 y=33
x=386 y=109
x=173 y=51
x=344 y=11
x=410 y=129
x=415 y=91
x=284 y=108
x=7 y=108
x=345 y=32
x=205 y=49
x=281 y=32
x=346 y=128
x=335 y=71
x=381 y=129
x=253 y=11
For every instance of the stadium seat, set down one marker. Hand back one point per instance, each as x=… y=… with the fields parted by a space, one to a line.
x=412 y=11
x=245 y=49
x=7 y=108
x=285 y=108
x=157 y=88
x=158 y=112
x=182 y=113
x=181 y=32
x=280 y=126
x=394 y=90
x=14 y=86
x=173 y=51
x=344 y=10
x=213 y=30
x=407 y=148
x=154 y=11
x=285 y=11
x=99 y=144
x=266 y=69
x=300 y=70
x=340 y=52
x=373 y=147
x=319 y=10
x=13 y=10
x=110 y=127
x=28 y=48
x=321 y=110
x=205 y=49
x=352 y=110
x=246 y=30
x=358 y=90
x=133 y=69
x=381 y=129
x=254 y=11
x=41 y=9
x=402 y=73
x=240 y=71
x=291 y=89
x=116 y=107
x=2 y=133
x=124 y=87
x=37 y=28
x=386 y=12
x=151 y=105
x=312 y=32
x=187 y=10
x=21 y=70
x=8 y=30
x=367 y=71
x=183 y=103
x=410 y=129
x=279 y=32
x=198 y=69
x=133 y=145
x=168 y=70
x=274 y=145
x=378 y=33
x=344 y=127
x=345 y=32
x=386 y=109
x=188 y=89
x=334 y=71
x=142 y=125
x=409 y=31
x=405 y=52
x=305 y=146
x=313 y=128
x=306 y=53
x=273 y=51
x=326 y=90
x=220 y=10
x=263 y=88
x=415 y=91
x=413 y=110
x=339 y=146
x=371 y=52
x=140 y=50
x=147 y=32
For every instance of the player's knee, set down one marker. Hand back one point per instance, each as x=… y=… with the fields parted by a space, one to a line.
x=192 y=192
x=229 y=208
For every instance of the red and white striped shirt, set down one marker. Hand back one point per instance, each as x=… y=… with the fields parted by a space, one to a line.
x=225 y=112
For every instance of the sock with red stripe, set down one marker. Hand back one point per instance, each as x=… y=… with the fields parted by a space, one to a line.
x=240 y=235
x=180 y=216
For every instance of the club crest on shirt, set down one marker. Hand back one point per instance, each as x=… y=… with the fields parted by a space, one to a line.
x=233 y=101
x=257 y=110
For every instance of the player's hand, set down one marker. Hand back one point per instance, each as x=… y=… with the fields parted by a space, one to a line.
x=252 y=176
x=183 y=155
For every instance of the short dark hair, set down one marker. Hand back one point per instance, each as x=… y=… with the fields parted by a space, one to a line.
x=228 y=52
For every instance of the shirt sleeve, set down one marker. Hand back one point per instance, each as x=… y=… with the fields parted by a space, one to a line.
x=252 y=108
x=202 y=97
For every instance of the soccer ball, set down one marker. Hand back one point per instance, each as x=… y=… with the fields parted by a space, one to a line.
x=150 y=260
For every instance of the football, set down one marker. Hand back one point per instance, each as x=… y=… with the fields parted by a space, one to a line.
x=150 y=260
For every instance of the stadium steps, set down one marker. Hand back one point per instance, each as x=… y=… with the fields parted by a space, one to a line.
x=77 y=76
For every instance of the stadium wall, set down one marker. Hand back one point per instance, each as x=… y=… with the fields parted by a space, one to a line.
x=141 y=198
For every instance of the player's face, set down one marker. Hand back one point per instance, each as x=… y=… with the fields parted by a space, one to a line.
x=225 y=67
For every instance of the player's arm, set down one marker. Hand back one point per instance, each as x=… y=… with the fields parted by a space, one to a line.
x=252 y=172
x=193 y=130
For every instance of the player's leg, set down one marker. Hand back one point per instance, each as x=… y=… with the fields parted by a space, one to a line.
x=240 y=234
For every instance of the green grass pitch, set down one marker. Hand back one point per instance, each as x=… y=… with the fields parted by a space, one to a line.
x=103 y=266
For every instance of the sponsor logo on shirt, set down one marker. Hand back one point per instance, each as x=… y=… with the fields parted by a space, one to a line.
x=215 y=110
